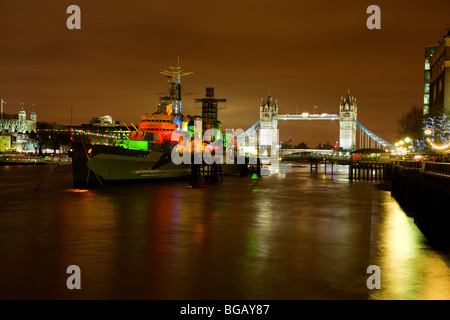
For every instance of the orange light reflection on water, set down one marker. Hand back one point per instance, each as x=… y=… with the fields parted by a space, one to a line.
x=409 y=267
x=77 y=190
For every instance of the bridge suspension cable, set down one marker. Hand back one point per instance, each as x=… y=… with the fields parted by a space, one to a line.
x=248 y=133
x=365 y=139
x=369 y=140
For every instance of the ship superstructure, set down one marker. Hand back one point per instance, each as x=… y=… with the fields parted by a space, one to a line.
x=158 y=126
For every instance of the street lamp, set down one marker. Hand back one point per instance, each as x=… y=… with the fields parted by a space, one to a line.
x=408 y=140
x=402 y=147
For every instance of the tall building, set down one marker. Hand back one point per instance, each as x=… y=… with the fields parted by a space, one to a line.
x=440 y=78
x=104 y=121
x=429 y=51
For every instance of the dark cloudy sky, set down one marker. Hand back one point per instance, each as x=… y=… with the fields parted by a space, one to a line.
x=307 y=53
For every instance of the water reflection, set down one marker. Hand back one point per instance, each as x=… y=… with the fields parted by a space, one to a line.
x=294 y=235
x=409 y=268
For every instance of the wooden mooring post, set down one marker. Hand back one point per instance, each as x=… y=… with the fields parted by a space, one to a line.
x=314 y=165
x=254 y=168
x=206 y=172
x=367 y=171
x=332 y=165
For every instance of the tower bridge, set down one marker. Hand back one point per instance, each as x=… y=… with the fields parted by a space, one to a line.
x=352 y=134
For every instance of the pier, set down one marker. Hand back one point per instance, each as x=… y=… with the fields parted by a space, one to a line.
x=206 y=173
x=314 y=164
x=369 y=170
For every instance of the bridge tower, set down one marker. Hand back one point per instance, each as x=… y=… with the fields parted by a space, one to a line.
x=347 y=124
x=268 y=133
x=267 y=113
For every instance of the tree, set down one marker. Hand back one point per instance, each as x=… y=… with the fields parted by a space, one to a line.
x=41 y=137
x=411 y=124
x=34 y=139
x=442 y=129
x=51 y=136
x=62 y=141
x=438 y=133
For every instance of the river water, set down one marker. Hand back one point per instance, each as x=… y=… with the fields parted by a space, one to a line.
x=292 y=236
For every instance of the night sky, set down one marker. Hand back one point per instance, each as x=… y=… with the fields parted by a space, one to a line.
x=306 y=53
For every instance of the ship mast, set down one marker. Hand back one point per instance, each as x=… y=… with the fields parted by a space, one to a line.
x=174 y=75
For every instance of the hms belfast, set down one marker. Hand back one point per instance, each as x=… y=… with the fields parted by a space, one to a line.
x=145 y=154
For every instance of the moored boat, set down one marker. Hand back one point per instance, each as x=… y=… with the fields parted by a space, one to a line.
x=17 y=158
x=145 y=154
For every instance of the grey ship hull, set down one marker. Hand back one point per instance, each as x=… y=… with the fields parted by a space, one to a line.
x=99 y=165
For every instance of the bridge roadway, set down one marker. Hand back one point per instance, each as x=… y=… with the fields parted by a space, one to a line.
x=284 y=152
x=307 y=116
x=318 y=154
